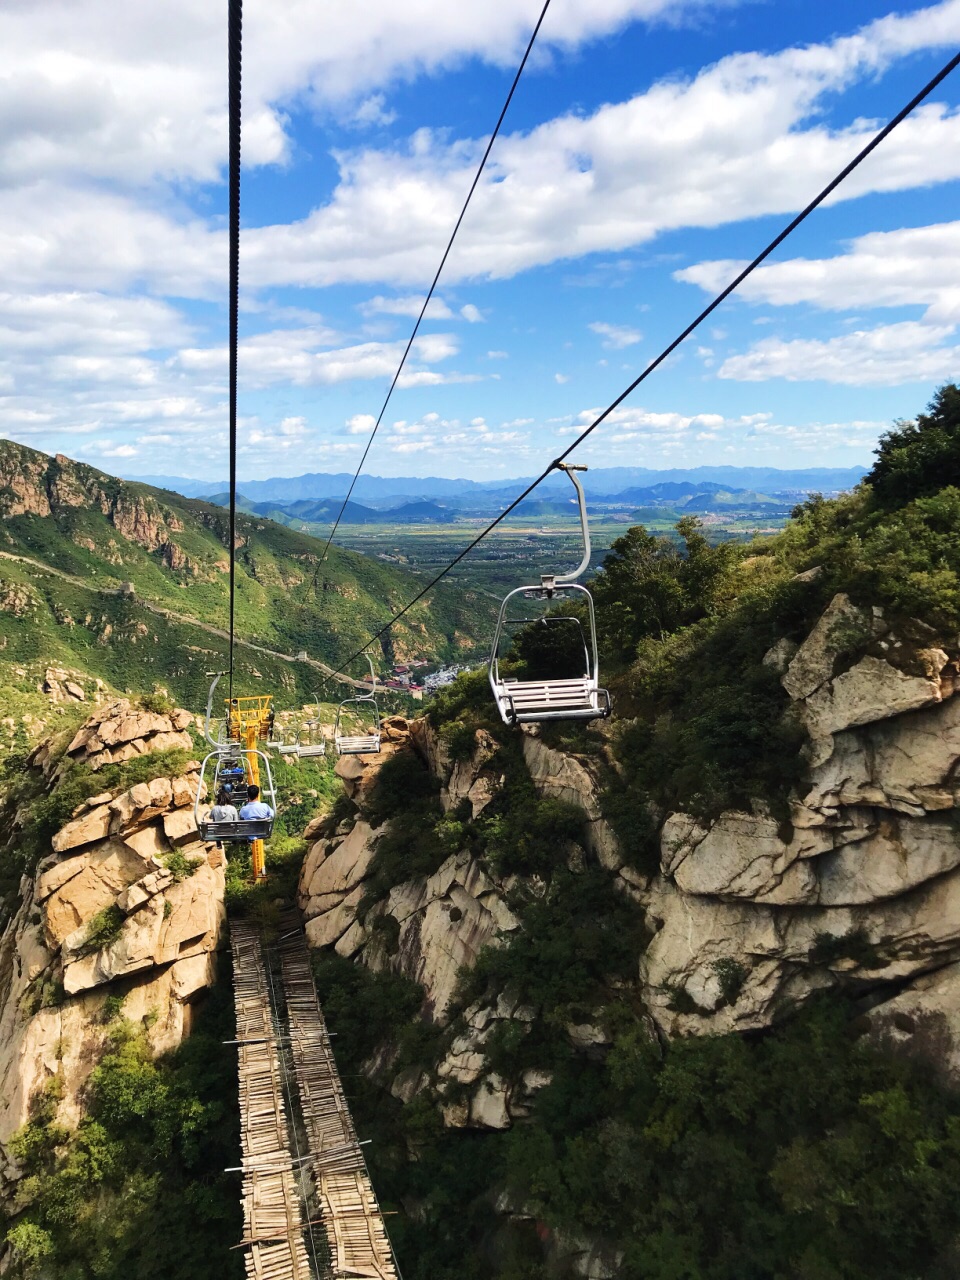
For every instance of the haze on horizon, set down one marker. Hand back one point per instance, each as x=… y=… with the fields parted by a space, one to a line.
x=653 y=145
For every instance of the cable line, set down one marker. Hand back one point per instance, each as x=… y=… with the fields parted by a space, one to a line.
x=443 y=260
x=234 y=62
x=668 y=350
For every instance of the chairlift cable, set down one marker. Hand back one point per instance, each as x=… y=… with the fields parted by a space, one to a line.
x=443 y=260
x=672 y=346
x=234 y=66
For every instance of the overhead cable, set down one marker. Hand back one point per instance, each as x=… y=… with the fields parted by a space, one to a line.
x=234 y=62
x=443 y=260
x=671 y=347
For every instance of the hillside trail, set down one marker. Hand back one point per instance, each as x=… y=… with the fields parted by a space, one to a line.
x=173 y=616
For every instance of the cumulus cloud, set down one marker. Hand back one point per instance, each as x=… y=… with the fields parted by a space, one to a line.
x=888 y=356
x=409 y=305
x=301 y=357
x=616 y=336
x=914 y=266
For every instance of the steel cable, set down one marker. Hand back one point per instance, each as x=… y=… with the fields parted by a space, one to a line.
x=671 y=347
x=443 y=260
x=234 y=48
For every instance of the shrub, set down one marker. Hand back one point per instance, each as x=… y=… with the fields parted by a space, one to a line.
x=180 y=866
x=104 y=928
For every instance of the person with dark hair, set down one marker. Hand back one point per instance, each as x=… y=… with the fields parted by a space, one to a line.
x=254 y=808
x=224 y=810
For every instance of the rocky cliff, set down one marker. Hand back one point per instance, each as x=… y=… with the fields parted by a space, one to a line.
x=850 y=882
x=123 y=905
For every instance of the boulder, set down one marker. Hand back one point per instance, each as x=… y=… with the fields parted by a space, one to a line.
x=871 y=690
x=180 y=826
x=573 y=780
x=340 y=870
x=842 y=628
x=92 y=825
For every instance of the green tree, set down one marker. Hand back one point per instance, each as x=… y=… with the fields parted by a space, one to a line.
x=917 y=459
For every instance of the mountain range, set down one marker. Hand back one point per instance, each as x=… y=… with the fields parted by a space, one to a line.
x=601 y=483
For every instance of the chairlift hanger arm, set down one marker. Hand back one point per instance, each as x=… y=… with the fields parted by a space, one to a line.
x=569 y=468
x=206 y=729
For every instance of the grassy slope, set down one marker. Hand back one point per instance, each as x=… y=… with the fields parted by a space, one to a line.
x=285 y=600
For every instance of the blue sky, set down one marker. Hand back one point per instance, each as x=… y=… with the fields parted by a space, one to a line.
x=652 y=146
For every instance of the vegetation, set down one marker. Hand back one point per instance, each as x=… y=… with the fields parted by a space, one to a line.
x=137 y=1190
x=802 y=1153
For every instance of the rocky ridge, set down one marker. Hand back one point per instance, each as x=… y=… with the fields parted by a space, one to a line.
x=857 y=886
x=128 y=902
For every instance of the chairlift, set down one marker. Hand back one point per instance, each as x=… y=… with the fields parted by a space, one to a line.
x=359 y=744
x=231 y=765
x=316 y=743
x=580 y=698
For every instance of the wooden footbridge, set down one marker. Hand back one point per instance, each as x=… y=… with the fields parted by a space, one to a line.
x=309 y=1209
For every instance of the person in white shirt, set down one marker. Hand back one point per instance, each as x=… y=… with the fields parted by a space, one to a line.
x=254 y=808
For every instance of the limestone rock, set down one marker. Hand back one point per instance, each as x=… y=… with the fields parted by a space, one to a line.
x=871 y=690
x=843 y=628
x=108 y=869
x=488 y=1105
x=91 y=826
x=336 y=869
x=570 y=778
x=180 y=826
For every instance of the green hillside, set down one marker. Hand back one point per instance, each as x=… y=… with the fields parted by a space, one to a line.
x=89 y=562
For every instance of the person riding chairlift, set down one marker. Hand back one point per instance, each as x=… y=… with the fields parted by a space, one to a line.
x=254 y=808
x=224 y=810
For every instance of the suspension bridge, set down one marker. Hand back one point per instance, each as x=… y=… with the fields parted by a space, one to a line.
x=309 y=1209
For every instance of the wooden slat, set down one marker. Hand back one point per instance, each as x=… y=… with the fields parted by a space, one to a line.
x=273 y=1222
x=351 y=1216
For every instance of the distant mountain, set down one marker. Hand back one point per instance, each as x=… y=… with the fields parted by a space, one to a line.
x=326 y=511
x=382 y=492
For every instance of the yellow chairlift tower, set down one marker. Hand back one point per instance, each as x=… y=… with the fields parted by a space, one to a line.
x=249 y=720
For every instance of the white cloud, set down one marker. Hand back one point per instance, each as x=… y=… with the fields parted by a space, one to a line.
x=561 y=378
x=616 y=336
x=140 y=92
x=410 y=305
x=471 y=313
x=497 y=355
x=361 y=424
x=298 y=357
x=742 y=139
x=886 y=356
x=371 y=111
x=915 y=266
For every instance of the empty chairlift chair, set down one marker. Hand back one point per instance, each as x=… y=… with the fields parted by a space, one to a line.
x=359 y=744
x=562 y=698
x=312 y=741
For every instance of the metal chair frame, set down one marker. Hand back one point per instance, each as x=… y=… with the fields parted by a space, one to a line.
x=359 y=744
x=581 y=698
x=242 y=829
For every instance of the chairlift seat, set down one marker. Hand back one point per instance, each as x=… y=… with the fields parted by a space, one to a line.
x=525 y=701
x=312 y=749
x=251 y=829
x=359 y=744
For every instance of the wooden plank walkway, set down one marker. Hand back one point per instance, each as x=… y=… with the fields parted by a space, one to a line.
x=349 y=1212
x=273 y=1240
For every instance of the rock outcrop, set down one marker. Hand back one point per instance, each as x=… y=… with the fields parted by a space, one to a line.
x=854 y=882
x=859 y=886
x=127 y=902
